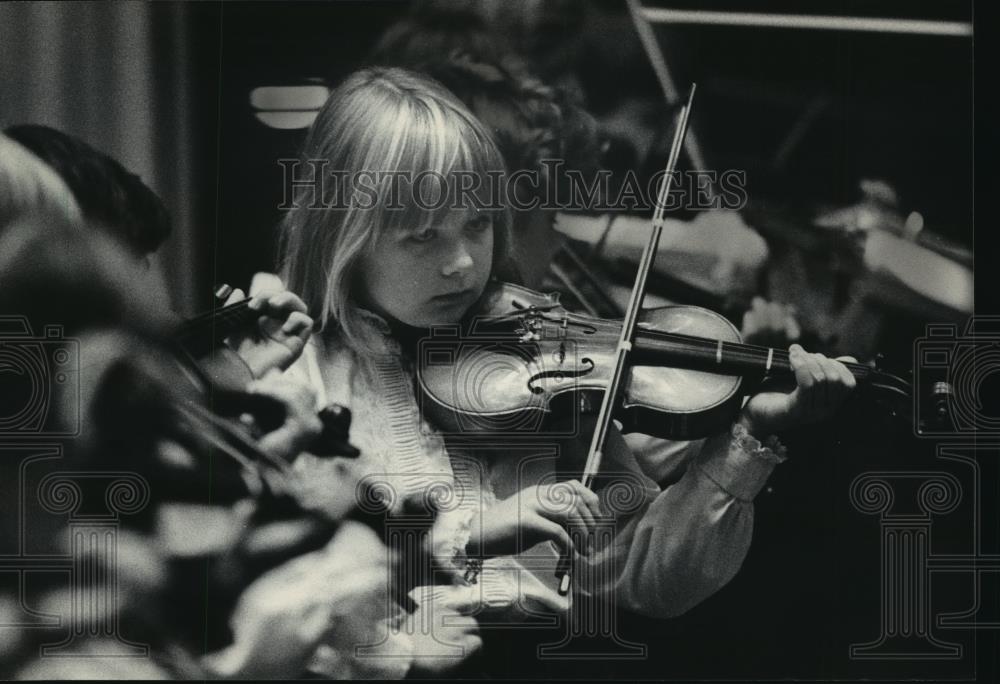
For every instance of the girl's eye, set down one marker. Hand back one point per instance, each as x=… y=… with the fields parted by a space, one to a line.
x=480 y=223
x=422 y=236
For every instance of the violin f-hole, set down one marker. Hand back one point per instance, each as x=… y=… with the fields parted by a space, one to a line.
x=559 y=374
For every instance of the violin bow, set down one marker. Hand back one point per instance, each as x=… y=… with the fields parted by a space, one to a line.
x=595 y=453
x=657 y=60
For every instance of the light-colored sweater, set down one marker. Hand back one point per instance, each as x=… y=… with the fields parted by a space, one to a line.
x=671 y=548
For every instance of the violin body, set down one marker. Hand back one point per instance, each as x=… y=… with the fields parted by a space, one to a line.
x=496 y=379
x=524 y=361
x=676 y=402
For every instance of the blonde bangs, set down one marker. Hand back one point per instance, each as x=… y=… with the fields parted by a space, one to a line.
x=418 y=151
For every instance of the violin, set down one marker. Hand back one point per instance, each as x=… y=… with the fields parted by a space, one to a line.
x=525 y=360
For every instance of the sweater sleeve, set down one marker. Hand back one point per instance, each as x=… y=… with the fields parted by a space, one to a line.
x=688 y=540
x=448 y=539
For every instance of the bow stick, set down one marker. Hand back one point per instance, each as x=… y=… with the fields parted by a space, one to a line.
x=596 y=452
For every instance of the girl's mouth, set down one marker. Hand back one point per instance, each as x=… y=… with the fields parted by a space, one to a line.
x=454 y=297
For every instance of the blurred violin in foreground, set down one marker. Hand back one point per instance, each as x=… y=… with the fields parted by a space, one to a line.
x=205 y=334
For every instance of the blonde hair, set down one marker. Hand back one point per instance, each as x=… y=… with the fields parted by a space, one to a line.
x=379 y=120
x=29 y=186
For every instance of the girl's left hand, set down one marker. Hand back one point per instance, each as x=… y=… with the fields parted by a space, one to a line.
x=821 y=385
x=282 y=329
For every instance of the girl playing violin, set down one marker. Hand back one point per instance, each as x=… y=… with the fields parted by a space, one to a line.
x=377 y=264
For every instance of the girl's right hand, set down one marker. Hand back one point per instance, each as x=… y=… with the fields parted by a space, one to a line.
x=537 y=514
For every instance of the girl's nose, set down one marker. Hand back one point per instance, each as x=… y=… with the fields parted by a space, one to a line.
x=458 y=261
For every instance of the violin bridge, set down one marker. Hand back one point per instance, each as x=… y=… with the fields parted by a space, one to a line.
x=562 y=339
